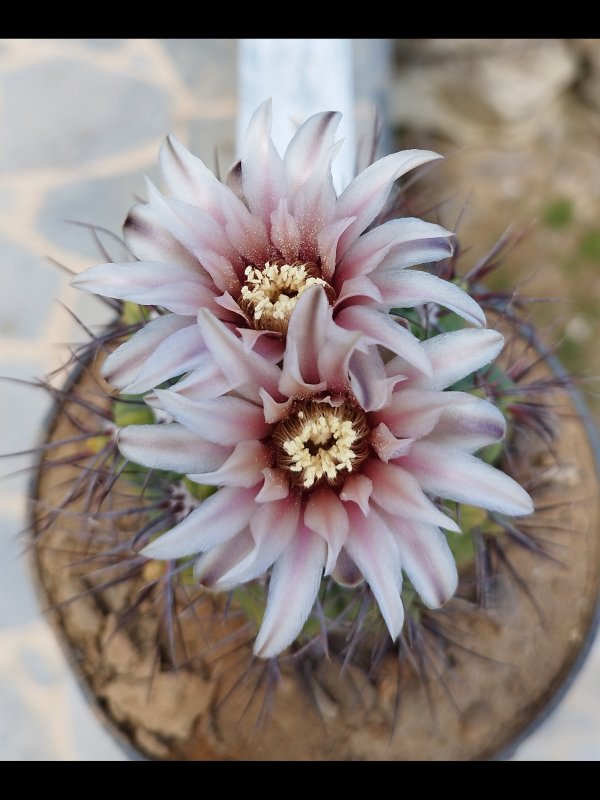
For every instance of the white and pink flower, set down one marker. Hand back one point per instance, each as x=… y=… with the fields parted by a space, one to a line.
x=247 y=249
x=329 y=463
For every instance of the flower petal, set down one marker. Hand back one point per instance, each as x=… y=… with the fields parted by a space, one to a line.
x=357 y=489
x=274 y=411
x=327 y=242
x=408 y=288
x=426 y=559
x=123 y=364
x=409 y=240
x=399 y=493
x=205 y=382
x=149 y=240
x=223 y=420
x=180 y=353
x=372 y=547
x=325 y=514
x=177 y=287
x=294 y=584
x=272 y=528
x=415 y=413
x=469 y=425
x=386 y=445
x=369 y=382
x=237 y=364
x=211 y=567
x=305 y=338
x=275 y=487
x=366 y=195
x=216 y=520
x=345 y=572
x=304 y=154
x=358 y=287
x=380 y=328
x=170 y=447
x=455 y=475
x=263 y=176
x=203 y=236
x=242 y=468
x=285 y=233
x=453 y=356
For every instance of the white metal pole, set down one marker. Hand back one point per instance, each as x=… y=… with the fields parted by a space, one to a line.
x=302 y=76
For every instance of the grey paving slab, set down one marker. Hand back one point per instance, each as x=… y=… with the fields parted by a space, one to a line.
x=24 y=315
x=66 y=112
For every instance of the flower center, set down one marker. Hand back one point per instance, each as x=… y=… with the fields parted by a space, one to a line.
x=270 y=294
x=318 y=441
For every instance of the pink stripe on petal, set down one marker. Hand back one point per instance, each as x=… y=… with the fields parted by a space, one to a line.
x=365 y=197
x=224 y=420
x=410 y=240
x=293 y=587
x=426 y=559
x=372 y=547
x=171 y=447
x=408 y=288
x=380 y=328
x=242 y=468
x=325 y=514
x=455 y=475
x=124 y=363
x=398 y=492
x=215 y=521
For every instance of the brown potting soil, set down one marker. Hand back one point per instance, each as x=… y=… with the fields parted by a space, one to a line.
x=507 y=663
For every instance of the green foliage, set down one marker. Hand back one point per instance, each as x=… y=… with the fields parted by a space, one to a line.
x=132 y=313
x=589 y=246
x=558 y=213
x=198 y=490
x=131 y=410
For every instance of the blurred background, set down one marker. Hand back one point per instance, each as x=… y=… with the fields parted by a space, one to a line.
x=81 y=124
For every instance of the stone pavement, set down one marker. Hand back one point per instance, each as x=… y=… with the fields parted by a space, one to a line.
x=82 y=121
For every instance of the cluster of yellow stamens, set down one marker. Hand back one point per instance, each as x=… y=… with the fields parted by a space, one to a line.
x=271 y=293
x=319 y=441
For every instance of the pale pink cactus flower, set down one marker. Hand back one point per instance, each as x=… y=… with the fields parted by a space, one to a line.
x=247 y=248
x=329 y=463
